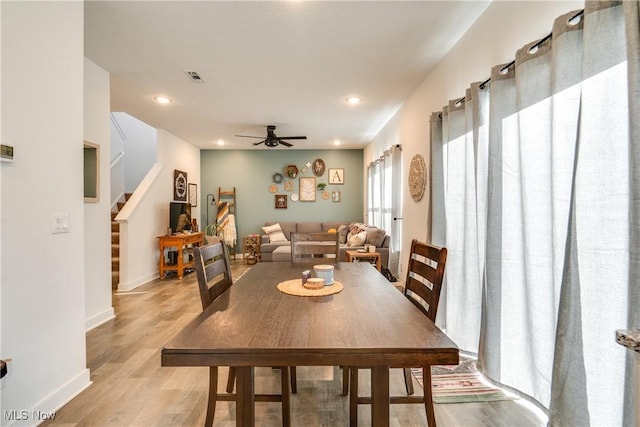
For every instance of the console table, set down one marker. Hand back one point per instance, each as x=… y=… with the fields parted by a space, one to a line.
x=179 y=241
x=373 y=257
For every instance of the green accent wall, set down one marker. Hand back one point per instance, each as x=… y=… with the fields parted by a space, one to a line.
x=250 y=172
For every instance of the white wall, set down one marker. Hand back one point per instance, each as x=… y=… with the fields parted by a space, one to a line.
x=97 y=223
x=146 y=214
x=493 y=39
x=43 y=295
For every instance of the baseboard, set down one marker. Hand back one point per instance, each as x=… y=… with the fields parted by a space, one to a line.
x=47 y=407
x=99 y=319
x=125 y=287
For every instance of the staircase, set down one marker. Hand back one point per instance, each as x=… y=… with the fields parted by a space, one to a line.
x=115 y=243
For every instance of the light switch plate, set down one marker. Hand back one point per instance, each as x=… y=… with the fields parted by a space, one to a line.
x=60 y=222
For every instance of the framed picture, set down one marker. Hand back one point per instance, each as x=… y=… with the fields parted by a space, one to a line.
x=318 y=167
x=336 y=176
x=288 y=186
x=281 y=201
x=336 y=196
x=179 y=186
x=193 y=195
x=307 y=189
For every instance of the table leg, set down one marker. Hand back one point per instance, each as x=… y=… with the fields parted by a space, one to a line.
x=161 y=261
x=180 y=263
x=379 y=396
x=245 y=396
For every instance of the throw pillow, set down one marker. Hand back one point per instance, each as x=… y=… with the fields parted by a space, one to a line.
x=375 y=236
x=357 y=239
x=343 y=231
x=275 y=233
x=332 y=231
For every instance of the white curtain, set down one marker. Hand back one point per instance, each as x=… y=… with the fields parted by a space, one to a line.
x=384 y=204
x=541 y=216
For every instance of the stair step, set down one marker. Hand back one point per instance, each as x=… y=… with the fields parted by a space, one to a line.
x=115 y=226
x=115 y=250
x=127 y=196
x=115 y=238
x=113 y=215
x=115 y=279
x=115 y=264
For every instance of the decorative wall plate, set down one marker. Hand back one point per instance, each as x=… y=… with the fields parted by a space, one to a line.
x=326 y=195
x=294 y=197
x=417 y=177
x=273 y=188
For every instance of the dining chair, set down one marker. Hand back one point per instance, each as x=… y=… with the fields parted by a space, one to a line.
x=213 y=270
x=422 y=287
x=307 y=246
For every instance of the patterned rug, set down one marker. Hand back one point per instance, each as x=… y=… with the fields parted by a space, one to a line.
x=460 y=384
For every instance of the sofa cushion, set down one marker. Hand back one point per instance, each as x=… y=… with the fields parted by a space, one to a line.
x=275 y=233
x=343 y=231
x=375 y=236
x=357 y=239
x=309 y=227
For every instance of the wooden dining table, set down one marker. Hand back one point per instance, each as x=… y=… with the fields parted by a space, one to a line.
x=368 y=324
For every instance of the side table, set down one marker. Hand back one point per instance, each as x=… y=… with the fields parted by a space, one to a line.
x=373 y=257
x=251 y=249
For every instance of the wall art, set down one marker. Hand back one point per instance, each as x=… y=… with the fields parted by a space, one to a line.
x=307 y=189
x=318 y=167
x=179 y=186
x=193 y=195
x=336 y=176
x=281 y=201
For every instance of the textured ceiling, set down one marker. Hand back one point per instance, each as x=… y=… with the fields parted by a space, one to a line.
x=291 y=64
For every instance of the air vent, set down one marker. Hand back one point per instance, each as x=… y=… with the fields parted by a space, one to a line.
x=194 y=76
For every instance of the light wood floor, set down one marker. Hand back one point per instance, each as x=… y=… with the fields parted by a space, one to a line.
x=130 y=388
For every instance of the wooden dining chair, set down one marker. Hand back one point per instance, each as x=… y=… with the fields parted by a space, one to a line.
x=213 y=270
x=422 y=287
x=308 y=246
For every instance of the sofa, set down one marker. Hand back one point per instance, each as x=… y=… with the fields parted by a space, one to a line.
x=351 y=232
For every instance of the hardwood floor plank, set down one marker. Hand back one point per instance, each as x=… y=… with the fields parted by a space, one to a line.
x=130 y=388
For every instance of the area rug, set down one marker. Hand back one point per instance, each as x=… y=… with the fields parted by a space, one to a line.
x=460 y=384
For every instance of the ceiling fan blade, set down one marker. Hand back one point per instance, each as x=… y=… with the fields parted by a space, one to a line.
x=292 y=137
x=258 y=143
x=286 y=144
x=248 y=136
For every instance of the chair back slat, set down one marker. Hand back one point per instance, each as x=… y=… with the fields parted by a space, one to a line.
x=305 y=246
x=424 y=276
x=213 y=270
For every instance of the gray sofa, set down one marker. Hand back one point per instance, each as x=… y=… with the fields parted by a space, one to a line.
x=281 y=251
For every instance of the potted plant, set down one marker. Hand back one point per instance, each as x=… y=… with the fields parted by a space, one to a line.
x=322 y=186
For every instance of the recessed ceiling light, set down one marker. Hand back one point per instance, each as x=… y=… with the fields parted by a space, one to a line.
x=337 y=142
x=353 y=100
x=162 y=100
x=220 y=142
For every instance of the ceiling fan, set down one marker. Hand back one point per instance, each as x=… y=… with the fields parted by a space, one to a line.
x=272 y=140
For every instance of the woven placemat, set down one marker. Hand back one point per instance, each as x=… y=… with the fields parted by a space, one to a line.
x=294 y=287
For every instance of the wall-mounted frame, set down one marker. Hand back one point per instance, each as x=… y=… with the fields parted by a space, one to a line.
x=336 y=176
x=307 y=189
x=288 y=186
x=91 y=172
x=336 y=195
x=179 y=186
x=281 y=201
x=193 y=195
x=318 y=167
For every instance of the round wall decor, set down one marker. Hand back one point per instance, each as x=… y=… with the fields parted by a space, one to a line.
x=417 y=177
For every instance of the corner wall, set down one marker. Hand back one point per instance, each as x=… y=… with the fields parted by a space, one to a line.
x=493 y=39
x=97 y=216
x=43 y=294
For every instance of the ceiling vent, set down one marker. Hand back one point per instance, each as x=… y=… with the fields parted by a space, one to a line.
x=194 y=76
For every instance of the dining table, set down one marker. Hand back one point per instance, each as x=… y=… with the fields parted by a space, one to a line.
x=368 y=323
